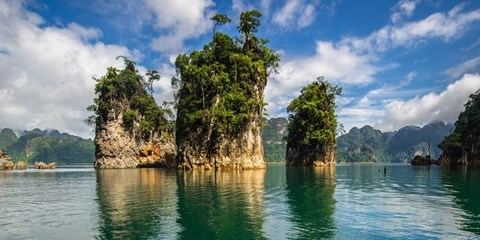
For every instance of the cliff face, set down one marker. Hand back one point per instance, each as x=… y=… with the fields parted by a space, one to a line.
x=240 y=152
x=319 y=156
x=131 y=130
x=6 y=162
x=118 y=148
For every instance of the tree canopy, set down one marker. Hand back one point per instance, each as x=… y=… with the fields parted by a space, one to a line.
x=219 y=89
x=312 y=119
x=128 y=94
x=465 y=139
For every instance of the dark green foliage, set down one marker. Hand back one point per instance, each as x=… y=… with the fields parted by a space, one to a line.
x=370 y=145
x=50 y=146
x=273 y=137
x=465 y=140
x=312 y=119
x=7 y=138
x=125 y=92
x=219 y=19
x=220 y=88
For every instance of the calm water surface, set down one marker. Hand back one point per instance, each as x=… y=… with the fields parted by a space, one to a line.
x=352 y=201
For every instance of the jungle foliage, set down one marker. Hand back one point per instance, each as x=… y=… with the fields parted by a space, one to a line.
x=312 y=120
x=465 y=139
x=219 y=89
x=128 y=94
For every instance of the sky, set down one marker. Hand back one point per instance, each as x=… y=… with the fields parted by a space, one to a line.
x=407 y=62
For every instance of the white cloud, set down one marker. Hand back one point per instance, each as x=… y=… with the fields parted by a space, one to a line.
x=295 y=13
x=445 y=106
x=445 y=26
x=179 y=20
x=45 y=72
x=353 y=60
x=465 y=67
x=403 y=9
x=337 y=63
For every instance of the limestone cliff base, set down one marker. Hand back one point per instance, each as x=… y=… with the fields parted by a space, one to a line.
x=117 y=148
x=323 y=156
x=242 y=152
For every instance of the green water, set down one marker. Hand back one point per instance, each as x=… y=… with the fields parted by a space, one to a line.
x=346 y=202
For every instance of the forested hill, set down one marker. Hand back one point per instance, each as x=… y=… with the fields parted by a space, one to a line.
x=47 y=146
x=370 y=145
x=273 y=134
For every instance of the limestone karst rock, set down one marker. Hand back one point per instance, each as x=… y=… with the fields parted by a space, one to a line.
x=131 y=130
x=312 y=125
x=219 y=100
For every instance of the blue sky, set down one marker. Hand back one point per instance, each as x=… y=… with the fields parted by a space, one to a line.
x=400 y=63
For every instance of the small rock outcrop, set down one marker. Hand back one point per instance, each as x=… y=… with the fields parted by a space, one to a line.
x=6 y=162
x=131 y=130
x=42 y=165
x=21 y=165
x=419 y=160
x=312 y=126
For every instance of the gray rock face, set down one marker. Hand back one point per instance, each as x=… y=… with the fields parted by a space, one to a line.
x=241 y=152
x=320 y=156
x=118 y=148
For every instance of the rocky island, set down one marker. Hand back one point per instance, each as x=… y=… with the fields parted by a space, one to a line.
x=219 y=99
x=312 y=125
x=462 y=147
x=131 y=130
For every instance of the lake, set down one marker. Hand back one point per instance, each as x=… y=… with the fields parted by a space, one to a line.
x=344 y=202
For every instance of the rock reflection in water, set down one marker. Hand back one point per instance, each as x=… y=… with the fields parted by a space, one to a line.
x=137 y=204
x=221 y=205
x=464 y=186
x=311 y=201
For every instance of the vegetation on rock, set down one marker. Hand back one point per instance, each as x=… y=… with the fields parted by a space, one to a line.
x=462 y=147
x=312 y=126
x=220 y=88
x=126 y=93
x=131 y=130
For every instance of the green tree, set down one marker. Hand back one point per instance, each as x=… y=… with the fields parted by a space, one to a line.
x=312 y=122
x=219 y=19
x=219 y=89
x=126 y=93
x=465 y=139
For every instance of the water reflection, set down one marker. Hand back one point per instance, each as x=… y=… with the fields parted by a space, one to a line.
x=222 y=205
x=465 y=189
x=136 y=204
x=310 y=197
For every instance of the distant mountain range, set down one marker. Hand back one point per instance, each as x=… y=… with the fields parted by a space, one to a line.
x=371 y=145
x=47 y=146
x=364 y=144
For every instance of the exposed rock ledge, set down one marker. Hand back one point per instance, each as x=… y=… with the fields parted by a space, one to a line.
x=118 y=148
x=321 y=156
x=6 y=162
x=243 y=152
